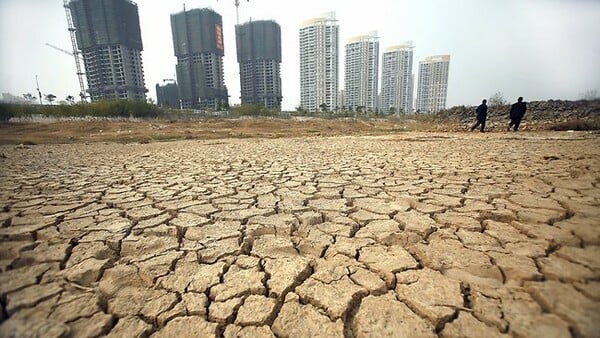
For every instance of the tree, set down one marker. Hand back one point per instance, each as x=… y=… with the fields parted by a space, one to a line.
x=323 y=107
x=590 y=95
x=50 y=98
x=29 y=97
x=497 y=99
x=70 y=99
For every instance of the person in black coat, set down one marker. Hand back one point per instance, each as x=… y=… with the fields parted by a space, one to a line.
x=517 y=111
x=481 y=116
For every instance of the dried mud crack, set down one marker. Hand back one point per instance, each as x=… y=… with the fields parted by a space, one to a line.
x=421 y=234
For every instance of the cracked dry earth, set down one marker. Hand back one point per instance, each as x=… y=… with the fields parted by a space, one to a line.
x=413 y=235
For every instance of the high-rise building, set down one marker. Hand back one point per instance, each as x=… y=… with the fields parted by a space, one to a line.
x=199 y=48
x=109 y=38
x=361 y=72
x=167 y=95
x=319 y=63
x=396 y=79
x=259 y=57
x=433 y=84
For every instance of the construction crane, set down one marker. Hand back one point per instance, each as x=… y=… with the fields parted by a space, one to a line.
x=237 y=11
x=75 y=52
x=59 y=49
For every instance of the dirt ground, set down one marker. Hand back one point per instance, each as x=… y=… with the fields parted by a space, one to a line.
x=162 y=130
x=400 y=235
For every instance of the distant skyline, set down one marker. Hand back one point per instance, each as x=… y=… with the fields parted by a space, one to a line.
x=538 y=49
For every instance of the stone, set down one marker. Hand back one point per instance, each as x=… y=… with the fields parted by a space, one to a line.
x=187 y=326
x=142 y=245
x=213 y=232
x=160 y=265
x=286 y=273
x=234 y=331
x=30 y=296
x=97 y=325
x=382 y=207
x=589 y=256
x=130 y=326
x=548 y=232
x=195 y=303
x=214 y=251
x=467 y=326
x=17 y=279
x=270 y=246
x=309 y=218
x=337 y=229
x=565 y=301
x=70 y=307
x=478 y=241
x=385 y=316
x=368 y=280
x=469 y=266
x=458 y=220
x=430 y=294
x=237 y=283
x=223 y=312
x=382 y=231
x=556 y=268
x=34 y=328
x=335 y=297
x=416 y=222
x=120 y=276
x=86 y=272
x=132 y=301
x=83 y=251
x=516 y=268
x=256 y=310
x=363 y=217
x=386 y=261
x=278 y=224
x=535 y=202
x=297 y=320
x=189 y=220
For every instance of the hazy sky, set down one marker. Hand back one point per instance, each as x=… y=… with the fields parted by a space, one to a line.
x=539 y=49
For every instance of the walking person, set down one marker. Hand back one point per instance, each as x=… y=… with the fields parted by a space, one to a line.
x=481 y=116
x=517 y=111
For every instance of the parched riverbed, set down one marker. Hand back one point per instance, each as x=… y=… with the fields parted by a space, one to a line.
x=415 y=234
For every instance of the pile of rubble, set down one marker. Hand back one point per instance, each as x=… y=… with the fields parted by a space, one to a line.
x=539 y=115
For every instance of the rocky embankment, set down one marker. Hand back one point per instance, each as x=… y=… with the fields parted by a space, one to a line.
x=541 y=115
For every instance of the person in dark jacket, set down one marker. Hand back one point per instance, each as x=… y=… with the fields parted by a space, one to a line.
x=481 y=116
x=517 y=111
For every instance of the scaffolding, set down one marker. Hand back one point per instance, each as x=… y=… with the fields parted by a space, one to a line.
x=75 y=53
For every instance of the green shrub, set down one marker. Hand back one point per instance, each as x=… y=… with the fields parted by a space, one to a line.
x=5 y=112
x=117 y=108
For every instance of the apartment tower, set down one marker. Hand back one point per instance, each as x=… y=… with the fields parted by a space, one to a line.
x=199 y=48
x=109 y=38
x=433 y=84
x=167 y=94
x=319 y=63
x=396 y=79
x=259 y=58
x=361 y=73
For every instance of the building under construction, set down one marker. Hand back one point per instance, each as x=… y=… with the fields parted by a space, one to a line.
x=259 y=57
x=199 y=48
x=109 y=38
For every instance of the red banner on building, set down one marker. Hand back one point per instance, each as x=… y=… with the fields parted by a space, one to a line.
x=219 y=37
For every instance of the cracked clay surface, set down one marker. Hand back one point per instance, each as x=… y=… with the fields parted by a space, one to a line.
x=420 y=235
